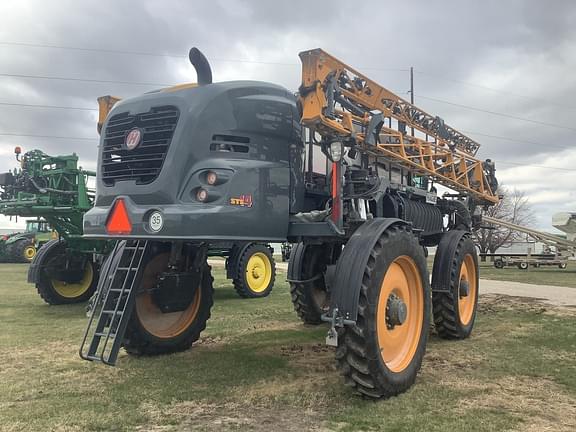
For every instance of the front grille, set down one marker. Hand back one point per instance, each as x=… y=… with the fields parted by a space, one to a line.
x=143 y=163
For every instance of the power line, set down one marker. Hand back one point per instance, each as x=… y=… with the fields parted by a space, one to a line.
x=497 y=113
x=232 y=60
x=535 y=166
x=516 y=140
x=180 y=56
x=48 y=106
x=84 y=80
x=466 y=83
x=48 y=136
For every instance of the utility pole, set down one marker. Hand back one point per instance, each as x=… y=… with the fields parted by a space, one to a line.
x=412 y=89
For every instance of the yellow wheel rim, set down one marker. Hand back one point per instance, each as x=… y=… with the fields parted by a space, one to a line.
x=258 y=272
x=30 y=252
x=399 y=343
x=467 y=304
x=74 y=290
x=159 y=324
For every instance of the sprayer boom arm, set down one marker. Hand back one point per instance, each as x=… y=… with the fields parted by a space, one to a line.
x=340 y=103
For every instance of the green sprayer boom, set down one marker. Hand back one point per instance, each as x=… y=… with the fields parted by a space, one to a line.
x=52 y=187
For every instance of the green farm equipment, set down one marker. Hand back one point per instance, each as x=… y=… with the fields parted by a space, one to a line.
x=54 y=188
x=22 y=246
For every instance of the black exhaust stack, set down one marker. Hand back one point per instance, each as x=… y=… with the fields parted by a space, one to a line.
x=201 y=65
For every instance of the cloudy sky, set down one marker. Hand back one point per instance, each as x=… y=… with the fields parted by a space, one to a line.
x=502 y=72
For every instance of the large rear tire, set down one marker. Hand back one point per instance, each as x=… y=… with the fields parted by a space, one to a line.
x=381 y=354
x=256 y=272
x=455 y=286
x=151 y=331
x=57 y=286
x=23 y=251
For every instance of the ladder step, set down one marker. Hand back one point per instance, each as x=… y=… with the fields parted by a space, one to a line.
x=91 y=357
x=127 y=268
x=102 y=334
x=119 y=290
x=111 y=312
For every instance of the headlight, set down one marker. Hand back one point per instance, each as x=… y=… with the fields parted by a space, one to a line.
x=211 y=178
x=336 y=150
x=202 y=195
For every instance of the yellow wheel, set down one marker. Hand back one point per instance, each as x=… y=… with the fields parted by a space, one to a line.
x=156 y=328
x=255 y=271
x=258 y=272
x=66 y=276
x=455 y=285
x=76 y=288
x=23 y=251
x=29 y=253
x=381 y=354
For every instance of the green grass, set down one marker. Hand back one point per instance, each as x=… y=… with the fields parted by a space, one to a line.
x=257 y=368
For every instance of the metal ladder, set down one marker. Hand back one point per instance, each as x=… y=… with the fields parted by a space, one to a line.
x=113 y=302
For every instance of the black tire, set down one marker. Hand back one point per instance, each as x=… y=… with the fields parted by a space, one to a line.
x=139 y=340
x=454 y=314
x=19 y=251
x=523 y=265
x=562 y=265
x=499 y=264
x=310 y=299
x=244 y=284
x=359 y=355
x=50 y=287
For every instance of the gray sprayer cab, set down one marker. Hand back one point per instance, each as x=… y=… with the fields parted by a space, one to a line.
x=184 y=169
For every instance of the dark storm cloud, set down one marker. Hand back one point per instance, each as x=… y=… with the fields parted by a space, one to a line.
x=523 y=49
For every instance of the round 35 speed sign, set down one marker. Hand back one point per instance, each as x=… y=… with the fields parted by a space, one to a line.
x=156 y=221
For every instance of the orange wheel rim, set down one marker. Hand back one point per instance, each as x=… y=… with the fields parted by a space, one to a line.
x=466 y=303
x=159 y=324
x=398 y=343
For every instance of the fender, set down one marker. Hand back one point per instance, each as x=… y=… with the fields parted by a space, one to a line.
x=38 y=261
x=345 y=293
x=295 y=263
x=444 y=258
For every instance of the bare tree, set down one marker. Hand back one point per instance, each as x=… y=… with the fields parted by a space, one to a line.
x=513 y=207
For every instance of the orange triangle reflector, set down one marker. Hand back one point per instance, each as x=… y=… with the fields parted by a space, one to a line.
x=119 y=221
